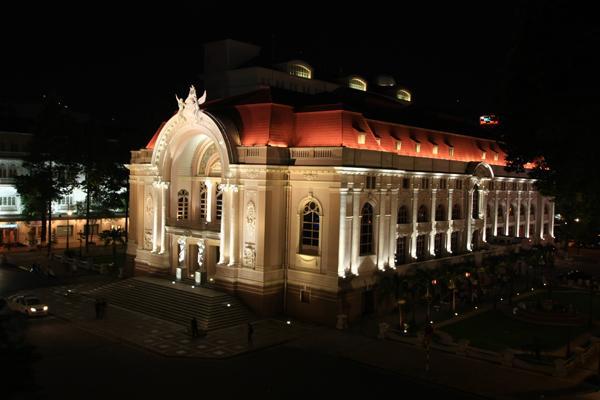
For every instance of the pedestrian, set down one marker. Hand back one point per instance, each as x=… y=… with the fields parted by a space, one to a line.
x=194 y=327
x=250 y=333
x=103 y=308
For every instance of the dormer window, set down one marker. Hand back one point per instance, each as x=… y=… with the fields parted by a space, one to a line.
x=495 y=156
x=398 y=145
x=361 y=138
x=451 y=151
x=483 y=155
x=357 y=83
x=435 y=149
x=403 y=95
x=418 y=147
x=300 y=70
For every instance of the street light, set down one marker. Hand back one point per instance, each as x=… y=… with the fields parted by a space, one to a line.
x=69 y=213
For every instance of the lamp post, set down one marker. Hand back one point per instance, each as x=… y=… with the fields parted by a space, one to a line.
x=69 y=213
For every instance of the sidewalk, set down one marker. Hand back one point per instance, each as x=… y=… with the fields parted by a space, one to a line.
x=161 y=336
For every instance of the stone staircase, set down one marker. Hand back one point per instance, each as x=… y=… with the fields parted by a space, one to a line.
x=177 y=303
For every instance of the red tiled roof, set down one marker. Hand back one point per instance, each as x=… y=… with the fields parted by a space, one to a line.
x=152 y=141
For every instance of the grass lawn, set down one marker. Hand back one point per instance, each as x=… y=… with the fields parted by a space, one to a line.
x=493 y=330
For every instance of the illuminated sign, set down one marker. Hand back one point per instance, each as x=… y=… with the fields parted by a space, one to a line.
x=488 y=120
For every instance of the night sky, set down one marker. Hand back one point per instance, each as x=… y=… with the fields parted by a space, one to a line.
x=452 y=57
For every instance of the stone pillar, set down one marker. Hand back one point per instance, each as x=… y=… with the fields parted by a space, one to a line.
x=483 y=199
x=518 y=215
x=155 y=216
x=164 y=189
x=507 y=213
x=413 y=236
x=343 y=234
x=355 y=230
x=224 y=234
x=381 y=257
x=393 y=220
x=528 y=216
x=495 y=233
x=469 y=219
x=233 y=225
x=449 y=215
x=432 y=219
x=210 y=200
x=539 y=216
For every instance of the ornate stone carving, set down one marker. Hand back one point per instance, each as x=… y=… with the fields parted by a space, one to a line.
x=249 y=255
x=149 y=205
x=201 y=249
x=148 y=239
x=251 y=216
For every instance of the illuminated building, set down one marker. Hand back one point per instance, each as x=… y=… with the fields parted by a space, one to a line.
x=278 y=193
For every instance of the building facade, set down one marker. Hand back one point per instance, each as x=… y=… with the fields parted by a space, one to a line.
x=15 y=230
x=278 y=204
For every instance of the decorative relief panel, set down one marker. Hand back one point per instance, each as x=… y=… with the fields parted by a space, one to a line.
x=148 y=239
x=249 y=255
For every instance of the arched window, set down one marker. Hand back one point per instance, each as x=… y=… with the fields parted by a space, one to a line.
x=366 y=230
x=440 y=213
x=311 y=218
x=403 y=215
x=219 y=204
x=421 y=246
x=300 y=70
x=203 y=201
x=403 y=94
x=422 y=215
x=476 y=202
x=182 y=204
x=456 y=211
x=357 y=83
x=3 y=173
x=500 y=211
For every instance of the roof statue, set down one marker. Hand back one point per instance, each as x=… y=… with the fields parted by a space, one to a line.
x=190 y=107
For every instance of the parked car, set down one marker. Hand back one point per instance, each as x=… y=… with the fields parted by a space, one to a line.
x=27 y=304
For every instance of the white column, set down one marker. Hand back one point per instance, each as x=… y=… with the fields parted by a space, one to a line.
x=224 y=235
x=233 y=225
x=507 y=213
x=495 y=233
x=155 y=211
x=518 y=213
x=210 y=200
x=342 y=237
x=539 y=216
x=449 y=215
x=469 y=219
x=551 y=216
x=483 y=198
x=164 y=188
x=355 y=230
x=528 y=216
x=432 y=219
x=413 y=236
x=381 y=231
x=393 y=220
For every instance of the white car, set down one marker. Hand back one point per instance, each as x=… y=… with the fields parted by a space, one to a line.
x=27 y=304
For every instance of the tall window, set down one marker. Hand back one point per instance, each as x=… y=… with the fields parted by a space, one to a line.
x=522 y=211
x=500 y=211
x=442 y=183
x=476 y=202
x=203 y=201
x=422 y=215
x=488 y=211
x=424 y=183
x=458 y=184
x=311 y=217
x=546 y=209
x=182 y=204
x=405 y=183
x=456 y=211
x=421 y=239
x=439 y=239
x=219 y=204
x=440 y=214
x=400 y=250
x=511 y=211
x=366 y=230
x=532 y=210
x=454 y=242
x=403 y=215
x=371 y=182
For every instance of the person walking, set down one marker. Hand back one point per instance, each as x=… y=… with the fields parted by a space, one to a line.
x=194 y=327
x=250 y=333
